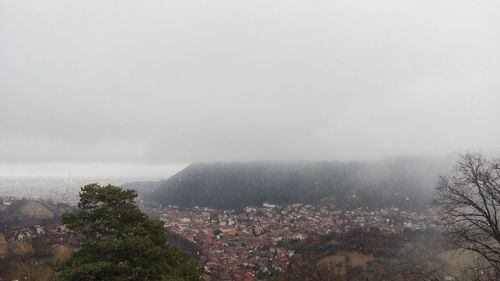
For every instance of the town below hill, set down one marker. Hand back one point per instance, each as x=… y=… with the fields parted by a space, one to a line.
x=268 y=242
x=264 y=221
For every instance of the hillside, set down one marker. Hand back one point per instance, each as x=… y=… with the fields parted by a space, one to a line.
x=29 y=212
x=407 y=183
x=361 y=255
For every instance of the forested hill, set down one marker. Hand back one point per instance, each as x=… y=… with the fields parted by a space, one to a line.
x=407 y=183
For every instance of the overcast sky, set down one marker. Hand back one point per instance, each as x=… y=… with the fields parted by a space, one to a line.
x=172 y=82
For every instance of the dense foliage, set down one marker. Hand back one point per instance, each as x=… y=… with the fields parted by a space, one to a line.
x=120 y=242
x=405 y=183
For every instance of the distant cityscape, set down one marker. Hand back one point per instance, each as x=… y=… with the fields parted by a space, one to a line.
x=55 y=189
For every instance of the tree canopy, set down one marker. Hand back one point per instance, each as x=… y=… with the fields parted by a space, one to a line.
x=120 y=243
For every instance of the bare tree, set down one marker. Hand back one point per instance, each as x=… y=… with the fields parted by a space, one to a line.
x=470 y=206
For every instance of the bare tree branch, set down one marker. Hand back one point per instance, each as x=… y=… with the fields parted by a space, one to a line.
x=470 y=205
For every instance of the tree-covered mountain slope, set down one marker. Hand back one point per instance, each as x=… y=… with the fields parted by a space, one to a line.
x=407 y=183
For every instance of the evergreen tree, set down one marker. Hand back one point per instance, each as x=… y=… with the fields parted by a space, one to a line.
x=120 y=243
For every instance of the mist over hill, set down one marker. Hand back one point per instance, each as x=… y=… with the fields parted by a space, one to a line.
x=404 y=182
x=143 y=188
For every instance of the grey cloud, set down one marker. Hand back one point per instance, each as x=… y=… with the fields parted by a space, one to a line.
x=184 y=81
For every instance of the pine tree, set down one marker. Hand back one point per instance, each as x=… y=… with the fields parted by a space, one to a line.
x=120 y=243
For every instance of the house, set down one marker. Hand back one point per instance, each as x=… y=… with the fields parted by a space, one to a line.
x=62 y=228
x=268 y=205
x=39 y=230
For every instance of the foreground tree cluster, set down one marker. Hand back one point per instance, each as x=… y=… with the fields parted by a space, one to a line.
x=120 y=243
